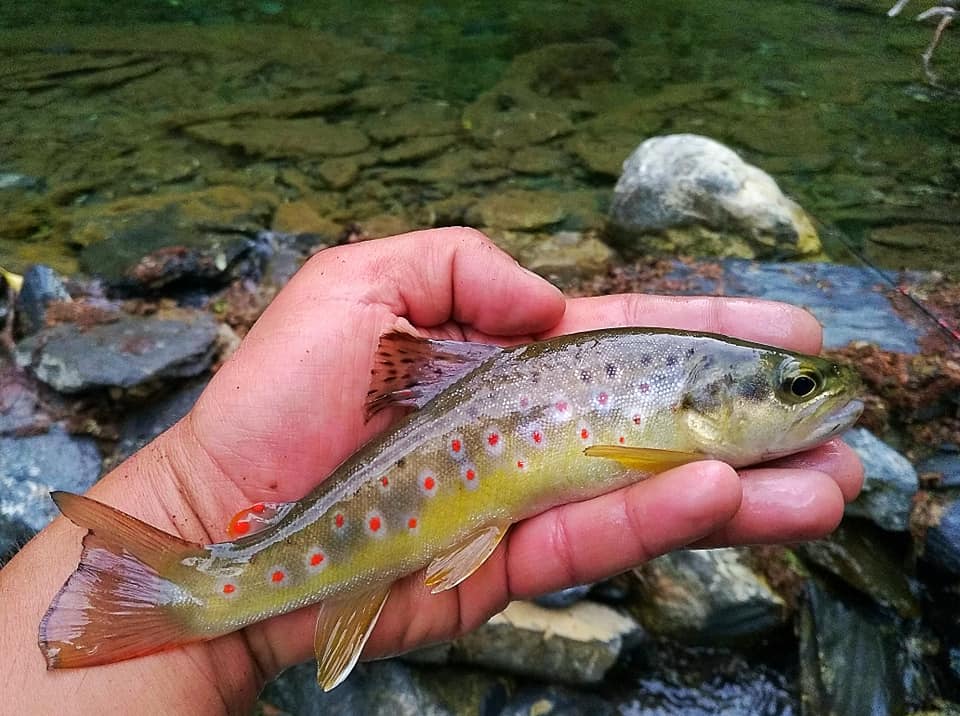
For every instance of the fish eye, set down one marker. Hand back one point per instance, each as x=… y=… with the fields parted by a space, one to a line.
x=803 y=384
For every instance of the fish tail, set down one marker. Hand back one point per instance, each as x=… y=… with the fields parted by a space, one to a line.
x=116 y=605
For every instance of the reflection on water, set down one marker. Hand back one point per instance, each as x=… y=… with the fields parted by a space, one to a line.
x=312 y=115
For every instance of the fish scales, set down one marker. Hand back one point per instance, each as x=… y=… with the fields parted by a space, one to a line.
x=501 y=435
x=540 y=407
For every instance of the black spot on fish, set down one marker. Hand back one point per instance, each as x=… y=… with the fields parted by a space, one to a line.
x=671 y=360
x=585 y=376
x=401 y=462
x=691 y=351
x=611 y=370
x=755 y=388
x=646 y=359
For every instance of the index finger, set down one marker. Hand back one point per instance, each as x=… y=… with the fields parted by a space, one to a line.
x=751 y=319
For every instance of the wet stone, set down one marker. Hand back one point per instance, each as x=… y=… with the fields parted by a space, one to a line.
x=30 y=467
x=868 y=560
x=41 y=286
x=707 y=596
x=387 y=687
x=564 y=597
x=576 y=645
x=556 y=701
x=123 y=354
x=850 y=652
x=847 y=300
x=147 y=422
x=20 y=408
x=890 y=482
x=945 y=465
x=942 y=540
x=416 y=149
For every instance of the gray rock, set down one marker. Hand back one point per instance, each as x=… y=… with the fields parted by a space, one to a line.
x=942 y=540
x=20 y=408
x=575 y=645
x=564 y=597
x=388 y=687
x=855 y=659
x=146 y=423
x=11 y=180
x=945 y=464
x=707 y=596
x=41 y=286
x=867 y=559
x=30 y=467
x=123 y=354
x=684 y=181
x=890 y=482
x=848 y=300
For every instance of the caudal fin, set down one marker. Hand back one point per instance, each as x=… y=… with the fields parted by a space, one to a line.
x=116 y=605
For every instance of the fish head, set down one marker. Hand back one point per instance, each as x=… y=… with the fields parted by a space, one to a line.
x=760 y=403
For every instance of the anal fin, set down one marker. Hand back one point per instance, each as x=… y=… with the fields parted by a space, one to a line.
x=453 y=566
x=646 y=459
x=343 y=627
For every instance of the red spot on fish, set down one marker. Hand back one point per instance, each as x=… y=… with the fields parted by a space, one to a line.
x=277 y=576
x=622 y=439
x=384 y=481
x=603 y=398
x=584 y=433
x=493 y=439
x=412 y=523
x=644 y=387
x=524 y=402
x=315 y=559
x=229 y=589
x=429 y=483
x=470 y=475
x=561 y=406
x=637 y=419
x=240 y=527
x=537 y=437
x=374 y=523
x=338 y=520
x=455 y=446
x=519 y=464
x=257 y=508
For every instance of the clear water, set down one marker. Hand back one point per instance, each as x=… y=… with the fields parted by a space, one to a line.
x=100 y=104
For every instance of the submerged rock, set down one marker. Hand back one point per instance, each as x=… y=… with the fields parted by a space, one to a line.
x=556 y=701
x=41 y=286
x=890 y=482
x=945 y=465
x=30 y=467
x=691 y=194
x=279 y=138
x=707 y=596
x=577 y=645
x=123 y=354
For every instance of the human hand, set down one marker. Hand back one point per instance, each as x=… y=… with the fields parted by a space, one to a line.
x=288 y=407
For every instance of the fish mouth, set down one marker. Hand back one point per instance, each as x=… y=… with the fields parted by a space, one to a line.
x=840 y=419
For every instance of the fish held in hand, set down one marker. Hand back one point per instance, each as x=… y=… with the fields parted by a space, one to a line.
x=498 y=435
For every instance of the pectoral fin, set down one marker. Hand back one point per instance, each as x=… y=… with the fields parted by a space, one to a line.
x=646 y=459
x=456 y=564
x=343 y=627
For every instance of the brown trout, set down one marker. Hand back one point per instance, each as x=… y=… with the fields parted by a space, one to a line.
x=501 y=434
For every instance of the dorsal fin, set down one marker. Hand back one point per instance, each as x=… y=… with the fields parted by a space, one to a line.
x=410 y=371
